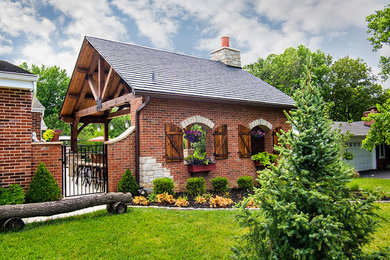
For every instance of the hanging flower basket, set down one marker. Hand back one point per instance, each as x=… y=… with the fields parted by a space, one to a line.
x=193 y=136
x=257 y=134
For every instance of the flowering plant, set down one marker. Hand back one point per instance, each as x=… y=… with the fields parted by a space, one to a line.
x=198 y=159
x=193 y=136
x=58 y=131
x=48 y=134
x=257 y=133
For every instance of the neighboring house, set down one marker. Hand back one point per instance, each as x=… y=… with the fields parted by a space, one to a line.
x=363 y=159
x=20 y=116
x=166 y=93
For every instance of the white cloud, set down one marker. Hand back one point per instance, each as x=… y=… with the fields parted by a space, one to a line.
x=89 y=17
x=17 y=19
x=155 y=19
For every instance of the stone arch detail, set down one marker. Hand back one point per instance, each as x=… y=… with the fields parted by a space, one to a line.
x=197 y=119
x=260 y=122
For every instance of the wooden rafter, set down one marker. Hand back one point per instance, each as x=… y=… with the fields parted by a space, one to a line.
x=101 y=75
x=107 y=84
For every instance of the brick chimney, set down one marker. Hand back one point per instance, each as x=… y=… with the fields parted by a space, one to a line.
x=366 y=113
x=227 y=55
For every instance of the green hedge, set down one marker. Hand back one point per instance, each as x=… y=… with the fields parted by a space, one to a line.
x=196 y=186
x=163 y=185
x=43 y=187
x=245 y=183
x=128 y=183
x=12 y=195
x=220 y=184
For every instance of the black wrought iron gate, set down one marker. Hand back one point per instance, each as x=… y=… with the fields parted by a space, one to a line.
x=84 y=170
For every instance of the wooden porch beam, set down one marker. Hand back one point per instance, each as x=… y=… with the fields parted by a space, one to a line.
x=101 y=75
x=92 y=86
x=82 y=127
x=84 y=120
x=106 y=84
x=118 y=113
x=106 y=105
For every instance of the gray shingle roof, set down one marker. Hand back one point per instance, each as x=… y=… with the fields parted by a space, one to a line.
x=356 y=128
x=9 y=67
x=148 y=70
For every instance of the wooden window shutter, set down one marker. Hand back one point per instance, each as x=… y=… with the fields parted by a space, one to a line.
x=173 y=143
x=275 y=136
x=244 y=142
x=221 y=142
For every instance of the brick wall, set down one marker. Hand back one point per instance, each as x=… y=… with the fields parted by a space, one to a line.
x=120 y=156
x=15 y=137
x=36 y=124
x=161 y=111
x=50 y=154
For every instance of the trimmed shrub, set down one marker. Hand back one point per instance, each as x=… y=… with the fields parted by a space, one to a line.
x=163 y=185
x=128 y=183
x=220 y=184
x=43 y=187
x=12 y=195
x=196 y=186
x=245 y=183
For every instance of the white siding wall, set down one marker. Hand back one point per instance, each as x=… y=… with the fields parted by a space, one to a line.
x=362 y=159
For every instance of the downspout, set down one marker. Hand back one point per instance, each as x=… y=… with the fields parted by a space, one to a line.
x=137 y=148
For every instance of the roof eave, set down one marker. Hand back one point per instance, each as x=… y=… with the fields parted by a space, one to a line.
x=211 y=99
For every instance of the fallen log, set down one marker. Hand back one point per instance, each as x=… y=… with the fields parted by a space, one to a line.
x=63 y=206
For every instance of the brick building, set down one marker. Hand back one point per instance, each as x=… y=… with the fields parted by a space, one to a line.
x=166 y=93
x=20 y=115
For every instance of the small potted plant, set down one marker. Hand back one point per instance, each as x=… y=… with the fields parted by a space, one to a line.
x=199 y=163
x=56 y=135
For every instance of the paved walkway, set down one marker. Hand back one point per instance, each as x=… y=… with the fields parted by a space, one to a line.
x=380 y=174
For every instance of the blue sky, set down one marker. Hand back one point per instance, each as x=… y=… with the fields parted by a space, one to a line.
x=50 y=32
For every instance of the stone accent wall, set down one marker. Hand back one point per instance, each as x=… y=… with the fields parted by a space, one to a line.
x=150 y=169
x=50 y=153
x=36 y=124
x=161 y=111
x=15 y=137
x=228 y=56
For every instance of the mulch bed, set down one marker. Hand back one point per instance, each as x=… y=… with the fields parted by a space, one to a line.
x=234 y=194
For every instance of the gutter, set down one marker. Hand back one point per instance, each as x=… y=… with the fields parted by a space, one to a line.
x=137 y=145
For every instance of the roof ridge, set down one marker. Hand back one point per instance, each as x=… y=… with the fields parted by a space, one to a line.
x=150 y=48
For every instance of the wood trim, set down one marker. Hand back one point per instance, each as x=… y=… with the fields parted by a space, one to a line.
x=106 y=84
x=82 y=127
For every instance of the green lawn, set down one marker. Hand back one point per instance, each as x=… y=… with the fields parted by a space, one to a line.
x=138 y=234
x=371 y=183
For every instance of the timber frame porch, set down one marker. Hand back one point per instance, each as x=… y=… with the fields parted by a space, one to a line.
x=94 y=90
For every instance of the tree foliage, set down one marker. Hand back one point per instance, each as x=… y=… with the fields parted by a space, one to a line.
x=306 y=211
x=51 y=90
x=347 y=85
x=379 y=132
x=379 y=29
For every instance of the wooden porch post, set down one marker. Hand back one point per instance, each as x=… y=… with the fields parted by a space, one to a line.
x=73 y=138
x=106 y=129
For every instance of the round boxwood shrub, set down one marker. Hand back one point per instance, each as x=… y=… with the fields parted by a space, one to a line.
x=163 y=185
x=12 y=195
x=128 y=183
x=220 y=184
x=245 y=183
x=43 y=187
x=196 y=186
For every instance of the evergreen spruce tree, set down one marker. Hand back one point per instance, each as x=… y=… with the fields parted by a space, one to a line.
x=128 y=183
x=306 y=211
x=43 y=186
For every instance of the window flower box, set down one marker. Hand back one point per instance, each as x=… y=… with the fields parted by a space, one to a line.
x=201 y=168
